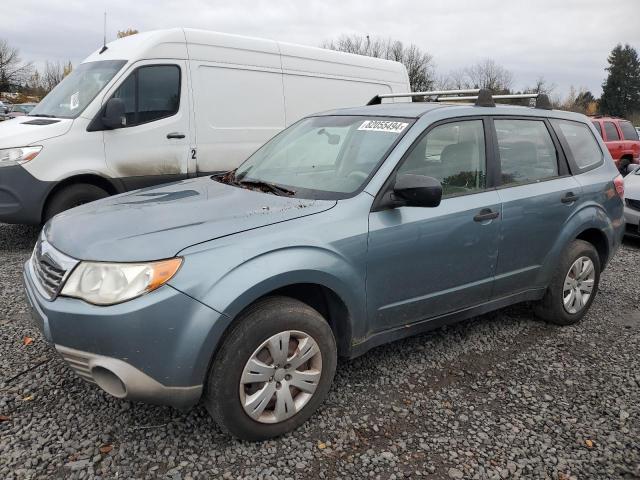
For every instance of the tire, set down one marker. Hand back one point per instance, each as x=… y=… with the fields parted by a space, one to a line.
x=72 y=196
x=265 y=320
x=552 y=307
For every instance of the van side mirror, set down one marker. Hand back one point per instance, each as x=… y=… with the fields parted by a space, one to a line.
x=114 y=114
x=418 y=190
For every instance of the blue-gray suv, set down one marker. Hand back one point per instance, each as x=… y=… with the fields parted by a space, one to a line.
x=349 y=229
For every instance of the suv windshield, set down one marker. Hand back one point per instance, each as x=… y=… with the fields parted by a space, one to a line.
x=328 y=157
x=72 y=95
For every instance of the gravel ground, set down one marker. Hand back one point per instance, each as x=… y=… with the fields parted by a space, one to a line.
x=500 y=396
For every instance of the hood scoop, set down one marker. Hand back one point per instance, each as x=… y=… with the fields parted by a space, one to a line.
x=40 y=121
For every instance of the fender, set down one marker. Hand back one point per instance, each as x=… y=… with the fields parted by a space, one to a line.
x=590 y=215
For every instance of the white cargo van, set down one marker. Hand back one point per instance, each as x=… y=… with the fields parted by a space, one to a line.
x=167 y=105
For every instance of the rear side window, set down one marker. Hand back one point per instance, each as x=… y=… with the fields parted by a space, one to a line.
x=150 y=93
x=598 y=128
x=628 y=131
x=454 y=154
x=527 y=152
x=611 y=131
x=583 y=145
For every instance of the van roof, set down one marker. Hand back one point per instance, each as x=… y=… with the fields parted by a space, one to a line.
x=183 y=43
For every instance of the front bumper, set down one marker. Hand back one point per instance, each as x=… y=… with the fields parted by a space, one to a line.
x=22 y=196
x=154 y=349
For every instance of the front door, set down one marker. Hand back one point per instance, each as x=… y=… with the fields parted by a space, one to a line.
x=425 y=262
x=154 y=145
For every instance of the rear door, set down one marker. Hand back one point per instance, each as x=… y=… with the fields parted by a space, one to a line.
x=614 y=140
x=538 y=195
x=425 y=262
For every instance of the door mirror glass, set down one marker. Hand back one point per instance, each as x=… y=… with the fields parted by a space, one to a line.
x=114 y=114
x=417 y=190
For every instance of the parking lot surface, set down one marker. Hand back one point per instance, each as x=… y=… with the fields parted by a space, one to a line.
x=500 y=396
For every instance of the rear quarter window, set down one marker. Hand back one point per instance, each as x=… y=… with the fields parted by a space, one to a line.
x=612 y=132
x=582 y=144
x=628 y=131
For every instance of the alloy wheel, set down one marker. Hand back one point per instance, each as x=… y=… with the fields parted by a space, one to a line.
x=578 y=285
x=280 y=377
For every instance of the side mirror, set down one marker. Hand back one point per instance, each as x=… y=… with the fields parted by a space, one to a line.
x=114 y=114
x=418 y=190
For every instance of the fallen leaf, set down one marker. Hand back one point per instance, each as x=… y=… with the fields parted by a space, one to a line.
x=589 y=443
x=28 y=398
x=4 y=418
x=322 y=445
x=27 y=341
x=106 y=448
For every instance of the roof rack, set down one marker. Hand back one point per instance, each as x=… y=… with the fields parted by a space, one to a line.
x=484 y=98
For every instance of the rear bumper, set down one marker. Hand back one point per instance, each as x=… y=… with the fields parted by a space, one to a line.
x=155 y=348
x=22 y=196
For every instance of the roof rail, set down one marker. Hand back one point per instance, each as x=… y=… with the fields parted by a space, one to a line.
x=431 y=93
x=484 y=98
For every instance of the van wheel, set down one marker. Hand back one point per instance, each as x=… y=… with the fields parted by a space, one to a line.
x=72 y=196
x=573 y=287
x=273 y=370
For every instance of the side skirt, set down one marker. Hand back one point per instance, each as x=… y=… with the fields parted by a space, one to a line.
x=422 y=326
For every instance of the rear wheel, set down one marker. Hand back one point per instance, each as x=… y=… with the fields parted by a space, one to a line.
x=573 y=287
x=273 y=370
x=72 y=196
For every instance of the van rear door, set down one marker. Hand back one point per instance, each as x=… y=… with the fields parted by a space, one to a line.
x=154 y=145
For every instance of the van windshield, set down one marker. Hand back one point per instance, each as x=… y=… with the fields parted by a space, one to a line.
x=328 y=157
x=72 y=95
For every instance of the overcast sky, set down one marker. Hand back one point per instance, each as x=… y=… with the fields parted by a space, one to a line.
x=566 y=41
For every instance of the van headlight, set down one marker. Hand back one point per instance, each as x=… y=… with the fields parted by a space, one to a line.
x=18 y=155
x=103 y=283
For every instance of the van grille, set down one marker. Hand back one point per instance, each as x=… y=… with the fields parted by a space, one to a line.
x=634 y=204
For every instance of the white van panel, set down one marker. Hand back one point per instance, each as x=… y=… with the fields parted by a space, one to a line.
x=305 y=94
x=233 y=49
x=237 y=110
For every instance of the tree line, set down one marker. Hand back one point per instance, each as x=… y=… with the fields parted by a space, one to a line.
x=620 y=91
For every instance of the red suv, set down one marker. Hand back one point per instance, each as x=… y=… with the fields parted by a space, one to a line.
x=621 y=139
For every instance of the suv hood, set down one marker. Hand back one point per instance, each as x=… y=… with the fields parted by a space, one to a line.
x=158 y=222
x=21 y=131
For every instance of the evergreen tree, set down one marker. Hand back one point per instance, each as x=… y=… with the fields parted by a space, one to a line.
x=621 y=90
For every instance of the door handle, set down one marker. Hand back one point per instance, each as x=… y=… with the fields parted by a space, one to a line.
x=570 y=197
x=175 y=135
x=485 y=214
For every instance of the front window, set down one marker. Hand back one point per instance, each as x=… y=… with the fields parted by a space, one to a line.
x=328 y=157
x=72 y=95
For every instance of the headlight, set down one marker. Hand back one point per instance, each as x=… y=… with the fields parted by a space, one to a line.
x=17 y=156
x=109 y=283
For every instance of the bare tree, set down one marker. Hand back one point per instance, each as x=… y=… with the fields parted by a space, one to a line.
x=52 y=76
x=488 y=74
x=13 y=72
x=541 y=86
x=127 y=32
x=419 y=63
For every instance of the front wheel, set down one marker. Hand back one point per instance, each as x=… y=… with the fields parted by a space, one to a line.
x=573 y=287
x=273 y=370
x=72 y=196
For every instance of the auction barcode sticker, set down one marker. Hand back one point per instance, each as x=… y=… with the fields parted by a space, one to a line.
x=383 y=126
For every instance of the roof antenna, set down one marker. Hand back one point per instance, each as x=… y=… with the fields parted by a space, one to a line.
x=104 y=39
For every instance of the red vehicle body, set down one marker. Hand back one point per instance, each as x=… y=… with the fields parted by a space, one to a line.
x=621 y=139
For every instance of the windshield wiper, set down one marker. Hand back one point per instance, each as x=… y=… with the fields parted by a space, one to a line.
x=271 y=187
x=230 y=178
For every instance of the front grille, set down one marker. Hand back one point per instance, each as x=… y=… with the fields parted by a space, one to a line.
x=49 y=276
x=50 y=268
x=78 y=363
x=635 y=204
